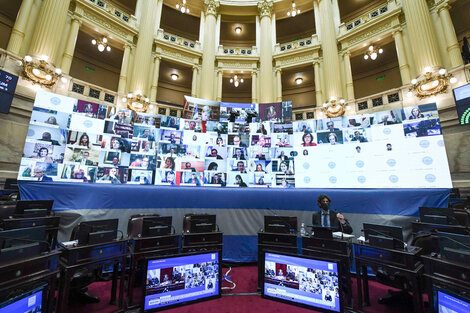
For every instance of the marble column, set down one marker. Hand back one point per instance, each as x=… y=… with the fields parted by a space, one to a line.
x=266 y=53
x=331 y=70
x=336 y=14
x=318 y=85
x=278 y=85
x=143 y=51
x=422 y=34
x=194 y=81
x=219 y=85
x=402 y=59
x=124 y=68
x=348 y=74
x=70 y=47
x=52 y=17
x=453 y=48
x=156 y=75
x=18 y=31
x=254 y=87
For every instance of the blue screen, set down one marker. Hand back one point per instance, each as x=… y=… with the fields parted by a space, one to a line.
x=7 y=90
x=181 y=279
x=462 y=102
x=450 y=304
x=30 y=303
x=300 y=280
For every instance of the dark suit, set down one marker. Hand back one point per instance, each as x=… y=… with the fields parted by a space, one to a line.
x=334 y=222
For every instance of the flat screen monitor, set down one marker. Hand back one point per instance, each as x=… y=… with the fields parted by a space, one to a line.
x=454 y=247
x=302 y=280
x=280 y=224
x=199 y=223
x=11 y=184
x=33 y=301
x=7 y=90
x=462 y=103
x=33 y=208
x=446 y=301
x=181 y=279
x=156 y=226
x=436 y=215
x=386 y=236
x=95 y=232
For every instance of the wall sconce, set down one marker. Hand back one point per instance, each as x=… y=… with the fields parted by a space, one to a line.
x=432 y=82
x=334 y=108
x=39 y=71
x=137 y=101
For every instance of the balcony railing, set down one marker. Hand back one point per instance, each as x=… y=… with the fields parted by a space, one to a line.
x=237 y=51
x=117 y=12
x=178 y=40
x=297 y=44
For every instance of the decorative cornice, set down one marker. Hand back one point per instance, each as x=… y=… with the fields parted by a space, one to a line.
x=294 y=60
x=365 y=36
x=265 y=8
x=211 y=7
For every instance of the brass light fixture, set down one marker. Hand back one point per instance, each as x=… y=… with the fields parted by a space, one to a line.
x=182 y=6
x=39 y=71
x=432 y=82
x=238 y=30
x=334 y=108
x=373 y=53
x=236 y=80
x=299 y=80
x=293 y=10
x=137 y=101
x=101 y=44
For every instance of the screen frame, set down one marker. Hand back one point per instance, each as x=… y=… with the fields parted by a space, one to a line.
x=330 y=260
x=171 y=306
x=446 y=290
x=42 y=287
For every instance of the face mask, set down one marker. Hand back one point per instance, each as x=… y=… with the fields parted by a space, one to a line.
x=325 y=206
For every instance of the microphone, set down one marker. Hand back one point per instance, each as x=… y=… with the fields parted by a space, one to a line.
x=387 y=236
x=272 y=211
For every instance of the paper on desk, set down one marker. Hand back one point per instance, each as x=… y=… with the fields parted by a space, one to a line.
x=340 y=235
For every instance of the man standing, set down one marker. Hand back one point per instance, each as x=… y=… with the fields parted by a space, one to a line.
x=327 y=218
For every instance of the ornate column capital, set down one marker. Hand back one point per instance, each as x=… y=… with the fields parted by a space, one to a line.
x=195 y=67
x=211 y=7
x=278 y=70
x=77 y=19
x=265 y=8
x=316 y=62
x=396 y=31
x=346 y=53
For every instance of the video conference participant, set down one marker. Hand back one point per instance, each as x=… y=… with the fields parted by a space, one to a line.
x=84 y=159
x=358 y=137
x=327 y=218
x=40 y=174
x=43 y=155
x=307 y=140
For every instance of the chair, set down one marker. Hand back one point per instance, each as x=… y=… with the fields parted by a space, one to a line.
x=462 y=216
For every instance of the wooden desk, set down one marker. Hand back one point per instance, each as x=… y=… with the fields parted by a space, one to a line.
x=192 y=242
x=404 y=263
x=340 y=249
x=51 y=223
x=22 y=276
x=90 y=257
x=142 y=248
x=447 y=275
x=456 y=229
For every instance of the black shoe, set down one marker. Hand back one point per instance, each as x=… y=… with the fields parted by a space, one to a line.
x=85 y=297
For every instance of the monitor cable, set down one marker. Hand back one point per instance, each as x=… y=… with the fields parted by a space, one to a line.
x=227 y=279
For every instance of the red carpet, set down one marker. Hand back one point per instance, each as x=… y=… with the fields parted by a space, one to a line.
x=246 y=279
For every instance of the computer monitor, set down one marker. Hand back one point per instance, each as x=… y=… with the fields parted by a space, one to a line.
x=33 y=208
x=94 y=232
x=11 y=184
x=199 y=223
x=431 y=215
x=280 y=224
x=21 y=243
x=322 y=232
x=446 y=301
x=386 y=236
x=302 y=280
x=156 y=226
x=454 y=247
x=7 y=209
x=181 y=279
x=31 y=301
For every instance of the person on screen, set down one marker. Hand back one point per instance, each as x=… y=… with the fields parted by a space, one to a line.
x=307 y=140
x=239 y=181
x=169 y=163
x=259 y=168
x=215 y=154
x=219 y=141
x=332 y=138
x=84 y=140
x=172 y=138
x=46 y=136
x=84 y=159
x=136 y=163
x=328 y=218
x=359 y=137
x=206 y=113
x=193 y=180
x=115 y=144
x=122 y=118
x=79 y=173
x=237 y=142
x=358 y=149
x=115 y=161
x=40 y=174
x=271 y=113
x=305 y=152
x=146 y=135
x=26 y=172
x=241 y=167
x=260 y=155
x=187 y=166
x=284 y=168
x=328 y=296
x=212 y=166
x=416 y=114
x=331 y=126
x=261 y=181
x=51 y=120
x=239 y=154
x=88 y=108
x=170 y=178
x=217 y=179
x=146 y=164
x=282 y=156
x=285 y=184
x=389 y=147
x=142 y=179
x=111 y=176
x=192 y=125
x=386 y=121
x=262 y=129
x=42 y=155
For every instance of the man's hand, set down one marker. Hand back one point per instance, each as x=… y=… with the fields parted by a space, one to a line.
x=341 y=218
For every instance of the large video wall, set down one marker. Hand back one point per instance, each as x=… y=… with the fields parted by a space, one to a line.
x=233 y=144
